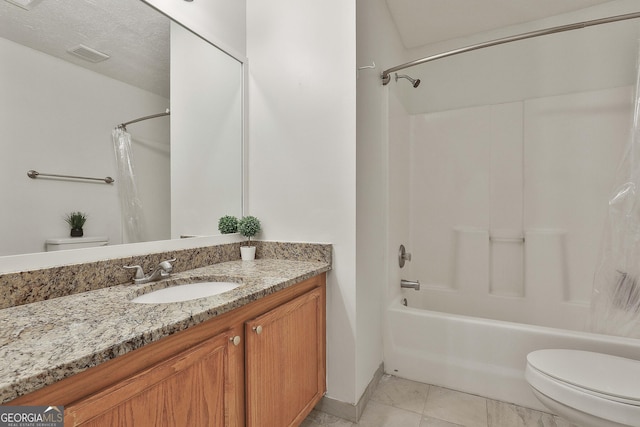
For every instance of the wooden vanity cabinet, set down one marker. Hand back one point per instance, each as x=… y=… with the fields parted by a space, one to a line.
x=198 y=387
x=284 y=353
x=262 y=364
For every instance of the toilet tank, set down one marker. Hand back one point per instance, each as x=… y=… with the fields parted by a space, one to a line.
x=65 y=243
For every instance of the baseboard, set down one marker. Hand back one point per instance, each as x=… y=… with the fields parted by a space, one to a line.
x=349 y=411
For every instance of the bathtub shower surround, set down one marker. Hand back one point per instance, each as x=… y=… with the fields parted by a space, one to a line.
x=508 y=204
x=506 y=167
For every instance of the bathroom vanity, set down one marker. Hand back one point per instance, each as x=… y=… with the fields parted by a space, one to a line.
x=251 y=356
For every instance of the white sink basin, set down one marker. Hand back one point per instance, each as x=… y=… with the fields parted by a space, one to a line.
x=186 y=292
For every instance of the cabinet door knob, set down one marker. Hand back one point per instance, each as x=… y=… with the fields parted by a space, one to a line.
x=235 y=340
x=258 y=329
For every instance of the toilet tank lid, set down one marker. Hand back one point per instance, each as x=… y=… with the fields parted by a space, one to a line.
x=601 y=373
x=76 y=240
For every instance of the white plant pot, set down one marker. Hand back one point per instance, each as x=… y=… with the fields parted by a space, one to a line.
x=248 y=253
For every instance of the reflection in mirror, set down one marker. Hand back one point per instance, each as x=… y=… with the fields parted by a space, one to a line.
x=206 y=126
x=57 y=112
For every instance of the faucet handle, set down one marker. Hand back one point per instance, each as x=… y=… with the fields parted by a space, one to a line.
x=403 y=256
x=166 y=264
x=139 y=271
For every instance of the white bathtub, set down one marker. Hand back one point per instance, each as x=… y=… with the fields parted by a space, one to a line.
x=479 y=356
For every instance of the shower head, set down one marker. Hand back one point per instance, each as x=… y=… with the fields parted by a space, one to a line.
x=414 y=82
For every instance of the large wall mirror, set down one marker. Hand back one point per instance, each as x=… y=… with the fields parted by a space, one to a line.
x=71 y=72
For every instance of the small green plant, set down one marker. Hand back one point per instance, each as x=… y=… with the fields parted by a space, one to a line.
x=228 y=224
x=249 y=226
x=76 y=220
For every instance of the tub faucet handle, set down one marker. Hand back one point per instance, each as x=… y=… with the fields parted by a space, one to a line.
x=403 y=256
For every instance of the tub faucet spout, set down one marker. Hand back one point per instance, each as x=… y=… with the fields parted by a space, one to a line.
x=410 y=284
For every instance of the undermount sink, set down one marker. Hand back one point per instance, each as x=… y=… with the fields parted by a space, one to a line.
x=186 y=292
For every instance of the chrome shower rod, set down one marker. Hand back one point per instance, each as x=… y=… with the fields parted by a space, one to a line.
x=153 y=116
x=386 y=75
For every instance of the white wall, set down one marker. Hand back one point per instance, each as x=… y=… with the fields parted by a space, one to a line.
x=302 y=150
x=60 y=122
x=378 y=42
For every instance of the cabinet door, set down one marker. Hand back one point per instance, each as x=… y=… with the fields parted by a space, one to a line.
x=285 y=362
x=202 y=386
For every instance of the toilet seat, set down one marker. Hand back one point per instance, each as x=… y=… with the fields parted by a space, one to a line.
x=597 y=384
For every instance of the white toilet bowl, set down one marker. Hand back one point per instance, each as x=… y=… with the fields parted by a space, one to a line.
x=588 y=389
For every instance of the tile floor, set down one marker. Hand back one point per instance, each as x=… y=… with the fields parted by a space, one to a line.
x=397 y=402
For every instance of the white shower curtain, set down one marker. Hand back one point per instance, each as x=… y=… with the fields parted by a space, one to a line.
x=130 y=203
x=615 y=305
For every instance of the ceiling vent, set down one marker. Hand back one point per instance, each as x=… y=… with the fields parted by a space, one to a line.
x=25 y=4
x=88 y=54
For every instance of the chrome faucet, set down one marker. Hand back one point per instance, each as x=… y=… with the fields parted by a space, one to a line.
x=410 y=284
x=162 y=271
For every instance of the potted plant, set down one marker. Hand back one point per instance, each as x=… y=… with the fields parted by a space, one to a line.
x=76 y=221
x=228 y=224
x=248 y=226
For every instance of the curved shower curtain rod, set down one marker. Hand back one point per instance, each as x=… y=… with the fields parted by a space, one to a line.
x=386 y=74
x=153 y=116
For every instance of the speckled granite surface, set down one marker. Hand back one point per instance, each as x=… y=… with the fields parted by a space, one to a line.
x=46 y=341
x=39 y=285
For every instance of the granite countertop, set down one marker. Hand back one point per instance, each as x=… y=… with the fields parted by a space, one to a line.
x=44 y=342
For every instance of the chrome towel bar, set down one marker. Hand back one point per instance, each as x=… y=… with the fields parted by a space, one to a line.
x=35 y=174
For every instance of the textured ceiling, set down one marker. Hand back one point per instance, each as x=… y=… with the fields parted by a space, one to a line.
x=422 y=22
x=134 y=35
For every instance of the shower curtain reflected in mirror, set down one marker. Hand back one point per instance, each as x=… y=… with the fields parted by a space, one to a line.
x=130 y=204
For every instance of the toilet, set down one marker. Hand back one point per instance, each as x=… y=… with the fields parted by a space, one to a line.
x=589 y=389
x=65 y=243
